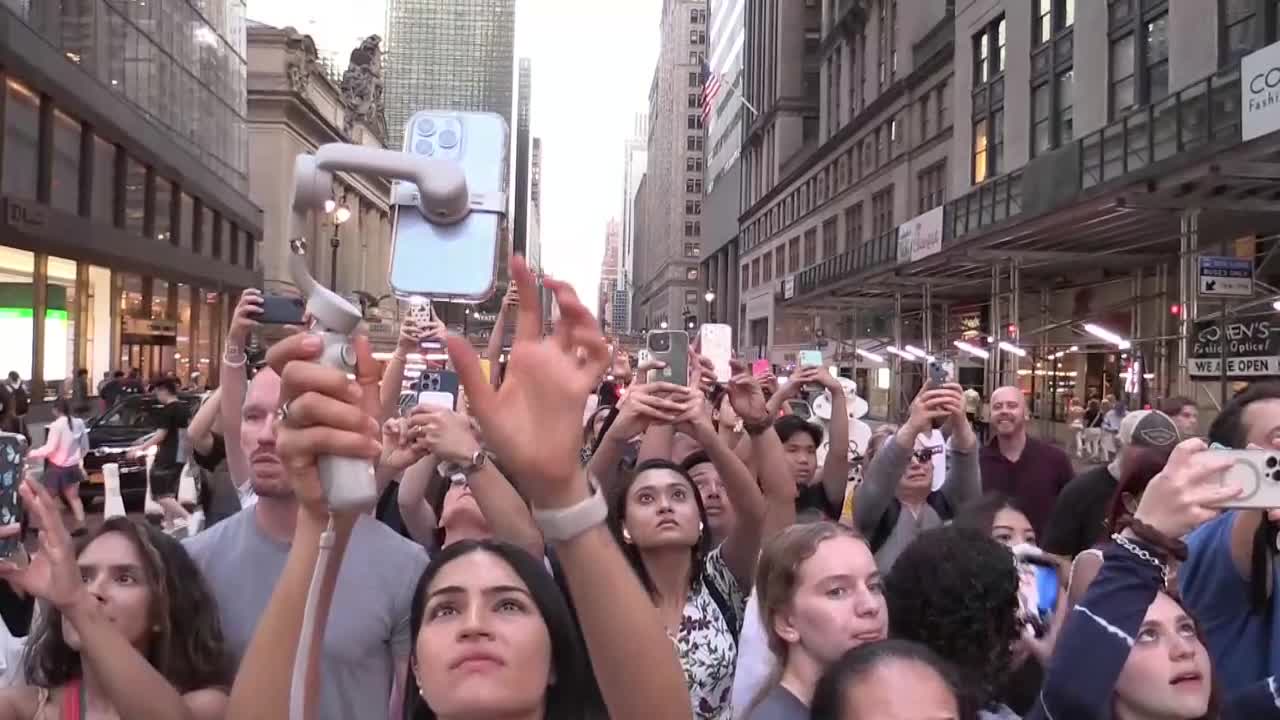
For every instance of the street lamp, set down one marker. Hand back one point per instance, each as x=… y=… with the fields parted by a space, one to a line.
x=710 y=297
x=341 y=214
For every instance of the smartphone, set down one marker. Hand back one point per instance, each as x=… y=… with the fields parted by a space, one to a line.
x=439 y=382
x=431 y=398
x=1258 y=473
x=941 y=372
x=282 y=310
x=760 y=368
x=1038 y=588
x=456 y=262
x=672 y=348
x=717 y=346
x=13 y=456
x=810 y=358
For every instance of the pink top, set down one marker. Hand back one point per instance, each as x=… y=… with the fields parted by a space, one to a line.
x=63 y=446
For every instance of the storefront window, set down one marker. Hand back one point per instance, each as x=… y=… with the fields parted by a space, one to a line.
x=60 y=324
x=104 y=185
x=160 y=300
x=130 y=295
x=17 y=268
x=66 y=163
x=187 y=215
x=164 y=218
x=135 y=188
x=209 y=325
x=97 y=328
x=21 y=140
x=182 y=352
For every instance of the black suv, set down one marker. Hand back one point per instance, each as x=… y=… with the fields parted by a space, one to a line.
x=125 y=423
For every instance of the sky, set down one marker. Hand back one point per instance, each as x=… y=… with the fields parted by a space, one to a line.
x=592 y=61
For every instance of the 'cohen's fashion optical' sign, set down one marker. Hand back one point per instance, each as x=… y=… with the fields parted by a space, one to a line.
x=1253 y=348
x=1260 y=92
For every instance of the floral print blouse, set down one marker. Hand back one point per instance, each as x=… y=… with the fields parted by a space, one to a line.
x=707 y=644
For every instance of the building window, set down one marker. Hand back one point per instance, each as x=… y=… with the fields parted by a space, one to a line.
x=882 y=213
x=853 y=227
x=1051 y=17
x=164 y=211
x=1245 y=26
x=694 y=122
x=695 y=80
x=780 y=260
x=692 y=250
x=746 y=277
x=988 y=51
x=693 y=207
x=693 y=163
x=104 y=181
x=65 y=193
x=755 y=272
x=932 y=186
x=693 y=143
x=942 y=104
x=693 y=185
x=693 y=101
x=981 y=150
x=691 y=274
x=793 y=254
x=21 y=142
x=810 y=248
x=135 y=196
x=767 y=267
x=924 y=117
x=830 y=242
x=1139 y=56
x=882 y=48
x=893 y=40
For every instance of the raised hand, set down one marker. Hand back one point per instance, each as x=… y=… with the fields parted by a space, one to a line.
x=646 y=404
x=410 y=335
x=402 y=442
x=52 y=574
x=324 y=412
x=746 y=395
x=245 y=318
x=933 y=404
x=533 y=422
x=696 y=420
x=449 y=435
x=1186 y=493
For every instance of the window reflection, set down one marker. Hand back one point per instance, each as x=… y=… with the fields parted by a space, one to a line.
x=104 y=186
x=135 y=192
x=17 y=269
x=164 y=210
x=66 y=163
x=60 y=327
x=97 y=325
x=21 y=133
x=182 y=351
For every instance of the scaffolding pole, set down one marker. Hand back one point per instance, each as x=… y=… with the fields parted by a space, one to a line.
x=992 y=379
x=896 y=406
x=926 y=322
x=1015 y=318
x=1187 y=294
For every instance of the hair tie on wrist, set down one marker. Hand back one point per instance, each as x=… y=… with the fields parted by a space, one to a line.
x=1174 y=548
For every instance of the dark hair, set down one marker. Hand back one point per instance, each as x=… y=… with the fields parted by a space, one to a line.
x=62 y=406
x=980 y=513
x=588 y=428
x=117 y=374
x=167 y=384
x=956 y=590
x=694 y=459
x=1173 y=405
x=856 y=664
x=618 y=513
x=188 y=650
x=1138 y=466
x=568 y=696
x=1229 y=429
x=789 y=425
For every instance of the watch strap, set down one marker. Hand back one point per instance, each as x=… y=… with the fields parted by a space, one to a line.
x=758 y=428
x=568 y=523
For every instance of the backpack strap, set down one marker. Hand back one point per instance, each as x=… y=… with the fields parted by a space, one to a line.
x=884 y=528
x=727 y=611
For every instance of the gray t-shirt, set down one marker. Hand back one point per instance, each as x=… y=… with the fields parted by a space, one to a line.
x=368 y=630
x=779 y=704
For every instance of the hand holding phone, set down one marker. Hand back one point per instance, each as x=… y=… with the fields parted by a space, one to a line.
x=283 y=310
x=941 y=372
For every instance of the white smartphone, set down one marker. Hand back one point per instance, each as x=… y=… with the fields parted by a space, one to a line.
x=810 y=358
x=716 y=344
x=434 y=398
x=453 y=262
x=1258 y=473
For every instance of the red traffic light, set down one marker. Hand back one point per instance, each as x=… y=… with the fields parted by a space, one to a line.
x=1175 y=309
x=1012 y=330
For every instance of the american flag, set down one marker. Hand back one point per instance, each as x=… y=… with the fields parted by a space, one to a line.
x=710 y=90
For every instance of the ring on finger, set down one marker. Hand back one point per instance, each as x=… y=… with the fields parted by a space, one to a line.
x=283 y=414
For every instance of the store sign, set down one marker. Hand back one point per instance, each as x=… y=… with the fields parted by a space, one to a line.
x=1260 y=92
x=969 y=322
x=789 y=288
x=142 y=326
x=28 y=218
x=1253 y=348
x=921 y=236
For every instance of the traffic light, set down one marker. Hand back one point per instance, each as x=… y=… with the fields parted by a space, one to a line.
x=690 y=322
x=1175 y=310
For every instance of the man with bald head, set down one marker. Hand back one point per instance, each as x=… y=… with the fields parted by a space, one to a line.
x=1030 y=471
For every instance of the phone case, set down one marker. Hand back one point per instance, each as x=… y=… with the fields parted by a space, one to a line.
x=443 y=381
x=1258 y=473
x=455 y=262
x=13 y=455
x=431 y=398
x=810 y=358
x=717 y=346
x=282 y=310
x=675 y=354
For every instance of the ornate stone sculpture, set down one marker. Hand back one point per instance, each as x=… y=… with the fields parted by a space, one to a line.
x=301 y=59
x=362 y=89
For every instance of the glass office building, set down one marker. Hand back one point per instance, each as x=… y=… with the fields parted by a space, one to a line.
x=127 y=230
x=450 y=55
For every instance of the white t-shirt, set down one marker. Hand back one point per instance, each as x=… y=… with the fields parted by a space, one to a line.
x=755 y=659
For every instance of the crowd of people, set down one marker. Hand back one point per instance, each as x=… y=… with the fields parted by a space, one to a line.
x=572 y=541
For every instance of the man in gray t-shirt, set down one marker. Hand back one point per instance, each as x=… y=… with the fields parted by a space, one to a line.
x=366 y=639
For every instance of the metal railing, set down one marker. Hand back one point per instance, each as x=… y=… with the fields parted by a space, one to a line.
x=1197 y=115
x=880 y=251
x=996 y=200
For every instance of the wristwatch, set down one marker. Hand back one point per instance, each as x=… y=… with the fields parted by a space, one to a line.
x=478 y=460
x=756 y=428
x=568 y=523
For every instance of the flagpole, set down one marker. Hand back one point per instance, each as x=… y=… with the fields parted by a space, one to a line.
x=743 y=98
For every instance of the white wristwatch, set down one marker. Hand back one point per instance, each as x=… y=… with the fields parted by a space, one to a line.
x=568 y=523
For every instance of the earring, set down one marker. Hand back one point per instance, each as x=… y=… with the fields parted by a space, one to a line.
x=699 y=527
x=626 y=536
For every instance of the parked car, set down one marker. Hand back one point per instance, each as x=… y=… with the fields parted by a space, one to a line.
x=124 y=424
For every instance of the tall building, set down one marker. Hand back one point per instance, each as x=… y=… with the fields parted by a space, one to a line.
x=520 y=211
x=448 y=55
x=535 y=174
x=729 y=115
x=635 y=159
x=667 y=275
x=609 y=274
x=128 y=228
x=533 y=240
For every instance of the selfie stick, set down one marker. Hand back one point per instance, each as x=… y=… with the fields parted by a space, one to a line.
x=438 y=188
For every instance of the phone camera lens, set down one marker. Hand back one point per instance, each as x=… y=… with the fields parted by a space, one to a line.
x=424 y=147
x=1275 y=476
x=448 y=139
x=1272 y=462
x=426 y=126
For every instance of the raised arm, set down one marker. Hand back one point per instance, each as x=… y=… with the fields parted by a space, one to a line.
x=494 y=349
x=880 y=481
x=835 y=470
x=393 y=375
x=643 y=407
x=234 y=383
x=964 y=475
x=535 y=425
x=200 y=429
